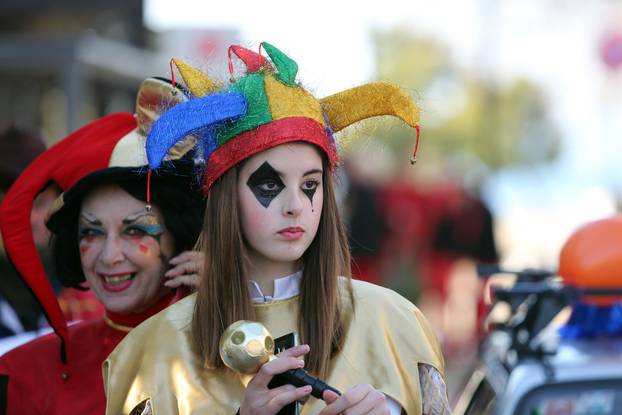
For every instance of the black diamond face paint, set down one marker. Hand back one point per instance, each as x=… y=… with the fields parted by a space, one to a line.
x=265 y=184
x=310 y=191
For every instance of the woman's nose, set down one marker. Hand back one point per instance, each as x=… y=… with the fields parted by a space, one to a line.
x=112 y=251
x=293 y=203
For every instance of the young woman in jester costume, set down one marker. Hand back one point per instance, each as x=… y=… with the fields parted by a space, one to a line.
x=276 y=253
x=133 y=248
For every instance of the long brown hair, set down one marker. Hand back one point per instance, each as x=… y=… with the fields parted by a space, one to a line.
x=223 y=295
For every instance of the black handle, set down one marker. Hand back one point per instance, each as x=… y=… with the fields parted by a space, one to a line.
x=299 y=377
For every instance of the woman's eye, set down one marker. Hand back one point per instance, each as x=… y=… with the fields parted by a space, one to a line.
x=89 y=233
x=135 y=231
x=310 y=185
x=269 y=186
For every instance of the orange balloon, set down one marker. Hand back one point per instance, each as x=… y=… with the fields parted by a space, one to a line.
x=592 y=258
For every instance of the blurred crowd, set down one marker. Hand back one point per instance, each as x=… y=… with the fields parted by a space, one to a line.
x=423 y=241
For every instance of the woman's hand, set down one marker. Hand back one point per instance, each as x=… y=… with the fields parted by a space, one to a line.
x=187 y=268
x=360 y=399
x=258 y=399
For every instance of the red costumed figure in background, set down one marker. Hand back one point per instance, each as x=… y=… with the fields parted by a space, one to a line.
x=126 y=230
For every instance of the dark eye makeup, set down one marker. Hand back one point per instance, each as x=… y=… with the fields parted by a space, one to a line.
x=153 y=230
x=309 y=187
x=143 y=225
x=88 y=232
x=265 y=184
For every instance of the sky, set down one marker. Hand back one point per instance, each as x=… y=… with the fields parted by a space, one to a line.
x=329 y=40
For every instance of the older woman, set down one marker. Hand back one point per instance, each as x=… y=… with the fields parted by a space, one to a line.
x=125 y=231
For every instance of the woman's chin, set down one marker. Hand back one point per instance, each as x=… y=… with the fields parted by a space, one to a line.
x=119 y=308
x=119 y=304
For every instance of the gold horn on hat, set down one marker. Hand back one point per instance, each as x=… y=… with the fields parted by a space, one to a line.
x=197 y=82
x=155 y=96
x=369 y=100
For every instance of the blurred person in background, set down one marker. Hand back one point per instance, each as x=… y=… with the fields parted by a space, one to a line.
x=420 y=238
x=463 y=236
x=19 y=310
x=364 y=222
x=123 y=231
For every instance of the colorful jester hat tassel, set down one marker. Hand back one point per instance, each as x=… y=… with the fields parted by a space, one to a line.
x=266 y=108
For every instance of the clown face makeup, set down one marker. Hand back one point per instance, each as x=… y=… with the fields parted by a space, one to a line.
x=123 y=250
x=280 y=199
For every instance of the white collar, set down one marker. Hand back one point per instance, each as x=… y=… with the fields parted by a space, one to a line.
x=284 y=288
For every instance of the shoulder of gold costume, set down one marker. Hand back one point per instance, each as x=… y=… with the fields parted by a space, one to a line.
x=398 y=316
x=368 y=293
x=176 y=316
x=181 y=307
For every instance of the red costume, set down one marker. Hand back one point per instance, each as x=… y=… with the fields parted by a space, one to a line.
x=38 y=382
x=61 y=373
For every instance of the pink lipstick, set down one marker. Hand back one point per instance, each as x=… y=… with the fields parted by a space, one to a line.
x=292 y=233
x=117 y=282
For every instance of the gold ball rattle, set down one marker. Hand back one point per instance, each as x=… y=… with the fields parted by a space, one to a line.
x=246 y=345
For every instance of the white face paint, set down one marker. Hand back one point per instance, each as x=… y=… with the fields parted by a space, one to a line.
x=123 y=250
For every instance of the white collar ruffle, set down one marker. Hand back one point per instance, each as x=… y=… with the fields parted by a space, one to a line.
x=284 y=288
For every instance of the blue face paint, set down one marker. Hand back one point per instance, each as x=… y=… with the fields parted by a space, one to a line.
x=155 y=230
x=144 y=225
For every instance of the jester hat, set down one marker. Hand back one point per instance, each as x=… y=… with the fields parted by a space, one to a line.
x=100 y=152
x=263 y=109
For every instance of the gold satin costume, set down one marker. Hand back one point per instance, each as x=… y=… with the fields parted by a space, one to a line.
x=387 y=338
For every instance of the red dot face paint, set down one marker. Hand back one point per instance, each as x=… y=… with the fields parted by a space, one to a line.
x=143 y=248
x=84 y=249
